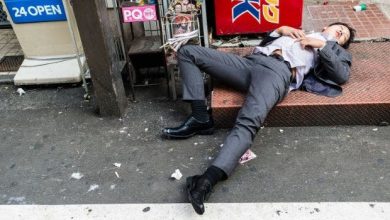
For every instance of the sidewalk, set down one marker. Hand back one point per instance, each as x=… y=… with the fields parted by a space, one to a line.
x=50 y=133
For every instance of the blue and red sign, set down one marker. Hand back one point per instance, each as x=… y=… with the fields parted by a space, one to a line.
x=29 y=11
x=256 y=16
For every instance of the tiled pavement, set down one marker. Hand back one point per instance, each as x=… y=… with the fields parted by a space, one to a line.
x=369 y=24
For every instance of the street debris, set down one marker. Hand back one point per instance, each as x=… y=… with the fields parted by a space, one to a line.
x=123 y=130
x=146 y=129
x=375 y=129
x=360 y=7
x=221 y=145
x=281 y=131
x=176 y=175
x=384 y=123
x=147 y=209
x=196 y=143
x=20 y=91
x=112 y=187
x=210 y=158
x=93 y=187
x=76 y=176
x=117 y=175
x=117 y=164
x=16 y=200
x=247 y=156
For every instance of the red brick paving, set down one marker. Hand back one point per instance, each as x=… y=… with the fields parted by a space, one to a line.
x=369 y=24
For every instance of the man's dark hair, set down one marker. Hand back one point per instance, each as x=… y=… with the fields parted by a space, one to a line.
x=352 y=33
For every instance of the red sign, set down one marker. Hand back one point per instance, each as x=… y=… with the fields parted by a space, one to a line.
x=139 y=13
x=256 y=16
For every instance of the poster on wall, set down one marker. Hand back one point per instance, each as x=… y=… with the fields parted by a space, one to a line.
x=30 y=11
x=256 y=16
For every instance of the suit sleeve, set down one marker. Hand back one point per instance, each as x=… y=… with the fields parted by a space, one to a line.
x=336 y=62
x=270 y=36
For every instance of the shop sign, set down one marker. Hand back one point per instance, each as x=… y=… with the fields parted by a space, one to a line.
x=139 y=13
x=29 y=11
x=254 y=16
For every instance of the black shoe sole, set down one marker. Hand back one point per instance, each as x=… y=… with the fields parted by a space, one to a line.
x=209 y=131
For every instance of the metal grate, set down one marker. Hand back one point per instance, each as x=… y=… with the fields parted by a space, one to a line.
x=11 y=63
x=3 y=17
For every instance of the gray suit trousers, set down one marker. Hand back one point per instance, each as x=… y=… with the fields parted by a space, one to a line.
x=264 y=79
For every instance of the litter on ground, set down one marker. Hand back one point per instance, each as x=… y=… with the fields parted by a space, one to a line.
x=176 y=175
x=117 y=164
x=93 y=187
x=76 y=176
x=20 y=91
x=247 y=156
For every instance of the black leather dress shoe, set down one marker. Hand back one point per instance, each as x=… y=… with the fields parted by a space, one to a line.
x=198 y=191
x=190 y=128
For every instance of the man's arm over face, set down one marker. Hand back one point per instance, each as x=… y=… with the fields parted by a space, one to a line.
x=336 y=62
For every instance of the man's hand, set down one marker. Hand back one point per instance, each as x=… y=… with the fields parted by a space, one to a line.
x=311 y=42
x=289 y=31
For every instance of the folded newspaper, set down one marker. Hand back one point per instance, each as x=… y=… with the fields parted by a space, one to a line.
x=178 y=40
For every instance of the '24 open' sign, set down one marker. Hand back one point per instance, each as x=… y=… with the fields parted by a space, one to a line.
x=139 y=13
x=28 y=11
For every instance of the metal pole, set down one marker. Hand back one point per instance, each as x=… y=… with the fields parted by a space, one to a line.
x=204 y=24
x=82 y=73
x=124 y=54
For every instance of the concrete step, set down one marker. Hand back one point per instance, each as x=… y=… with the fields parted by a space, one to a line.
x=365 y=99
x=49 y=71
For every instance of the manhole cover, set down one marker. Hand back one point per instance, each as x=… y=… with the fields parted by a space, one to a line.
x=11 y=63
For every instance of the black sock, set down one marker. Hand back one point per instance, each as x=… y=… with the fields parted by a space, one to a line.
x=199 y=110
x=214 y=175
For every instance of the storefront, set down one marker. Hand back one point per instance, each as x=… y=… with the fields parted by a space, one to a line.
x=256 y=16
x=49 y=38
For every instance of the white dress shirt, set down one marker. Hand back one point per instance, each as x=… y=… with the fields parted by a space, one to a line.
x=303 y=59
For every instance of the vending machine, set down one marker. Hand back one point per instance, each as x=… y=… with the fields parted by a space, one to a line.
x=256 y=16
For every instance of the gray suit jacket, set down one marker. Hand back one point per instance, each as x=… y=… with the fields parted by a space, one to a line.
x=329 y=73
